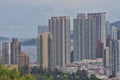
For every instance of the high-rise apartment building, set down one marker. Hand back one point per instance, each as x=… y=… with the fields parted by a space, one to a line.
x=6 y=53
x=15 y=50
x=89 y=36
x=114 y=52
x=100 y=20
x=84 y=37
x=45 y=56
x=79 y=31
x=115 y=57
x=42 y=29
x=60 y=29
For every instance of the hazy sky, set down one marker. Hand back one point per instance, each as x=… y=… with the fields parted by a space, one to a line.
x=20 y=18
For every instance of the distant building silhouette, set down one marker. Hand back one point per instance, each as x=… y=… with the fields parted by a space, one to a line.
x=42 y=29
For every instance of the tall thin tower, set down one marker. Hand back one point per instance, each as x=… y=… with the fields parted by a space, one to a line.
x=15 y=51
x=60 y=29
x=79 y=31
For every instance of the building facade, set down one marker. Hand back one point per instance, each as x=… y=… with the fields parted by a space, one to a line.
x=89 y=36
x=24 y=60
x=114 y=52
x=106 y=61
x=45 y=57
x=108 y=29
x=100 y=19
x=60 y=29
x=84 y=37
x=79 y=31
x=6 y=53
x=15 y=51
x=115 y=57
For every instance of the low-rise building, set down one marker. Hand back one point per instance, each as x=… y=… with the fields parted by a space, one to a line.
x=24 y=60
x=91 y=66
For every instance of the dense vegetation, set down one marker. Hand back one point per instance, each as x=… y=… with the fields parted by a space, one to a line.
x=41 y=74
x=13 y=74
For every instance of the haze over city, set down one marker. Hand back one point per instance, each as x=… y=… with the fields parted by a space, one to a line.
x=20 y=18
x=59 y=40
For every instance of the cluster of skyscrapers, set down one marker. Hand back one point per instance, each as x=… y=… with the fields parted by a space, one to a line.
x=89 y=39
x=94 y=38
x=55 y=44
x=11 y=51
x=12 y=55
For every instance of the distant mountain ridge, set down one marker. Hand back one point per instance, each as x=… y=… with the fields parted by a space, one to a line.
x=30 y=42
x=117 y=24
x=4 y=39
x=33 y=42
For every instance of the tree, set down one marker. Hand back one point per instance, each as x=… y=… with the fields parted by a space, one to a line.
x=93 y=77
x=82 y=75
x=23 y=70
x=6 y=74
x=27 y=77
x=12 y=74
x=112 y=76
